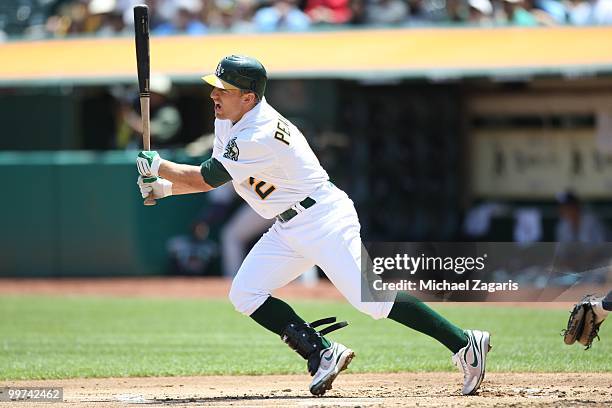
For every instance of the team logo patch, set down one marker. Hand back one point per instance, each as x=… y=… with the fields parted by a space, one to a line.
x=231 y=150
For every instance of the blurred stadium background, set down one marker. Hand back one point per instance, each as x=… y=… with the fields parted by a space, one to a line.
x=443 y=120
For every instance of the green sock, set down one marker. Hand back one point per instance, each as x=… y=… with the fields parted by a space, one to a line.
x=415 y=314
x=275 y=315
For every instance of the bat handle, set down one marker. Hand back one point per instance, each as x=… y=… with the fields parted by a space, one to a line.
x=146 y=136
x=149 y=200
x=146 y=121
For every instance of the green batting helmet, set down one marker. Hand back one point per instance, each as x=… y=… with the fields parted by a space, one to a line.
x=239 y=72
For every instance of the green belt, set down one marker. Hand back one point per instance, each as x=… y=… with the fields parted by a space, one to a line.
x=290 y=213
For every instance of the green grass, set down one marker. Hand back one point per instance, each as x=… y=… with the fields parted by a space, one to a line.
x=52 y=337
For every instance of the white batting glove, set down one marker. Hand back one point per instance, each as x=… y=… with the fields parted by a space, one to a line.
x=148 y=163
x=158 y=186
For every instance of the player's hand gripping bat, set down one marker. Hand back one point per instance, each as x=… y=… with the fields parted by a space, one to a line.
x=141 y=27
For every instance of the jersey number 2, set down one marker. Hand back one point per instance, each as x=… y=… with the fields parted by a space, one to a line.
x=260 y=188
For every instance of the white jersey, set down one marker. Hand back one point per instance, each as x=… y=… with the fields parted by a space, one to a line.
x=270 y=162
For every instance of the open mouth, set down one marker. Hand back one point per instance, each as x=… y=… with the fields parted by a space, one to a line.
x=217 y=107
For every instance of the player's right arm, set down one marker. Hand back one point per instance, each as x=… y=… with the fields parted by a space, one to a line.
x=185 y=179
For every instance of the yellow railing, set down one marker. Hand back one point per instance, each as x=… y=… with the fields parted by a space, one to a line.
x=429 y=52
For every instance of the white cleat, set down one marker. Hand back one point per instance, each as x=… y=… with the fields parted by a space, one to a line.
x=472 y=358
x=334 y=359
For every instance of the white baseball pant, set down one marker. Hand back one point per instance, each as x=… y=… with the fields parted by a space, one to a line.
x=326 y=234
x=241 y=229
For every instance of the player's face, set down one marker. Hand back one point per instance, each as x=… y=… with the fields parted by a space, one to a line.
x=230 y=103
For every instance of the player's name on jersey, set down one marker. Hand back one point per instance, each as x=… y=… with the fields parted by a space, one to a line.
x=444 y=285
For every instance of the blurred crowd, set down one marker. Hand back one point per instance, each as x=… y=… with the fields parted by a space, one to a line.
x=562 y=247
x=59 y=18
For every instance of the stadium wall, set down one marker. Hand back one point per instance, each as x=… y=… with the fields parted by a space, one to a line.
x=80 y=214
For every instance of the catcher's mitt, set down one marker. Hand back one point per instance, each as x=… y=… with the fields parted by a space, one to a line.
x=582 y=325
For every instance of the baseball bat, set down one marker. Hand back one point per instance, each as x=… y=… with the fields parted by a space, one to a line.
x=141 y=31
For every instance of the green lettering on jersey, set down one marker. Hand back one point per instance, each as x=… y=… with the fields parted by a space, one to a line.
x=282 y=132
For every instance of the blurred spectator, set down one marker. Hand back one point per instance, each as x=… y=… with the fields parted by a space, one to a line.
x=477 y=222
x=184 y=21
x=358 y=12
x=527 y=225
x=517 y=13
x=60 y=18
x=425 y=12
x=243 y=227
x=579 y=12
x=281 y=15
x=159 y=12
x=165 y=117
x=166 y=9
x=456 y=11
x=594 y=12
x=107 y=17
x=70 y=19
x=387 y=12
x=577 y=224
x=221 y=14
x=231 y=15
x=328 y=11
x=192 y=254
x=480 y=12
x=555 y=9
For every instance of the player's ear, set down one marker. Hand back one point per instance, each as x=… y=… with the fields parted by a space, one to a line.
x=248 y=97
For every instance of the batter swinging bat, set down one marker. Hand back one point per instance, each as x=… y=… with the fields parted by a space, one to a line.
x=141 y=27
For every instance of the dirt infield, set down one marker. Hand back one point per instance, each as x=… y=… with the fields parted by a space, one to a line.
x=158 y=287
x=350 y=390
x=209 y=288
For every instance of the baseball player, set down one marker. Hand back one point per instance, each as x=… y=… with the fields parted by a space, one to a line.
x=272 y=167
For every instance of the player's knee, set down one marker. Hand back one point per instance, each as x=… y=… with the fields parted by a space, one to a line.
x=377 y=314
x=238 y=297
x=244 y=300
x=376 y=310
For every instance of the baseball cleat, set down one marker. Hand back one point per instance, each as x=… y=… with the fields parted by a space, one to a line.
x=334 y=359
x=471 y=359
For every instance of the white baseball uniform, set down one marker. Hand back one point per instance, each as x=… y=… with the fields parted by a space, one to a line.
x=242 y=228
x=273 y=168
